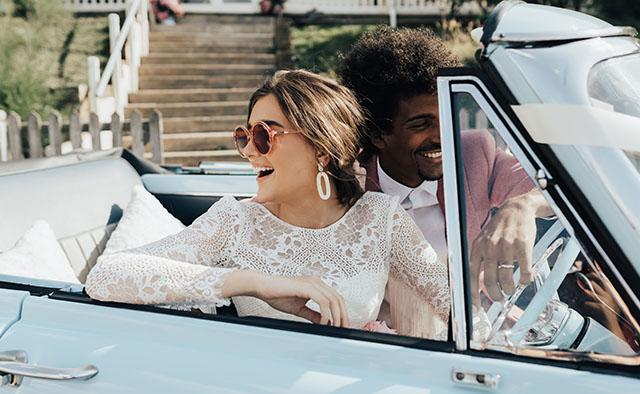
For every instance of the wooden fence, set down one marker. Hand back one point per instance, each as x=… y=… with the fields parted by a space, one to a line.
x=130 y=134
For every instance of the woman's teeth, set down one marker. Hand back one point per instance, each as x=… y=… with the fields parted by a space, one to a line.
x=258 y=170
x=432 y=155
x=263 y=171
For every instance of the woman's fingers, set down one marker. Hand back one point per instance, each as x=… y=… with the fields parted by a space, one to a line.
x=317 y=295
x=336 y=304
x=310 y=314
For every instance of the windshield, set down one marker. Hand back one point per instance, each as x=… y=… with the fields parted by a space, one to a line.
x=614 y=85
x=605 y=136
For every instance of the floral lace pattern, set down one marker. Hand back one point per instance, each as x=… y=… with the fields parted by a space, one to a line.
x=355 y=255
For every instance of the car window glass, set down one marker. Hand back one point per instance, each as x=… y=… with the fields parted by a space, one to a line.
x=569 y=304
x=614 y=85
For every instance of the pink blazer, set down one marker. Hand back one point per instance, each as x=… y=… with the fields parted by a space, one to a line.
x=491 y=176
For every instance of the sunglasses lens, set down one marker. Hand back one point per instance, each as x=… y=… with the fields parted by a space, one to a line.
x=261 y=139
x=241 y=138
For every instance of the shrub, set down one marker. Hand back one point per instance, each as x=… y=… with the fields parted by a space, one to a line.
x=28 y=50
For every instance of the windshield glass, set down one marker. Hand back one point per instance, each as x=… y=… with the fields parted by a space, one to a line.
x=614 y=85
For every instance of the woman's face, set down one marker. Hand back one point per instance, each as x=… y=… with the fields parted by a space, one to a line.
x=288 y=172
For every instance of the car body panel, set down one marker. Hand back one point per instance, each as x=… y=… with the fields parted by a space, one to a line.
x=138 y=351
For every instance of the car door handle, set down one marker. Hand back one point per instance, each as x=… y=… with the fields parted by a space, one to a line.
x=14 y=366
x=479 y=379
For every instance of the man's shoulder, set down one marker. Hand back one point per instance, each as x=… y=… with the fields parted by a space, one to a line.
x=366 y=169
x=477 y=145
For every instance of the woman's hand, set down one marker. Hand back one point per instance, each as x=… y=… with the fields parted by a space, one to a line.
x=290 y=294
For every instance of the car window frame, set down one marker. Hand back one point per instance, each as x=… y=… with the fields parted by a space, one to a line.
x=497 y=108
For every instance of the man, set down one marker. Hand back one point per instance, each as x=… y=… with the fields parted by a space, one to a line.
x=393 y=74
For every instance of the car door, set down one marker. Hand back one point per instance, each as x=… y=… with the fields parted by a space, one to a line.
x=556 y=317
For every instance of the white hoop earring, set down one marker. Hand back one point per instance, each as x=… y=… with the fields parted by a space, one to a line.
x=321 y=178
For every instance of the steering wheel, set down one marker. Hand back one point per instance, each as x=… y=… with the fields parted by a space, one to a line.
x=547 y=282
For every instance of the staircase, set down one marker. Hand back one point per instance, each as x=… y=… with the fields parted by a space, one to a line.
x=200 y=74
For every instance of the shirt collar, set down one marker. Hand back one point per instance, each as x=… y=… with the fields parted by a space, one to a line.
x=395 y=188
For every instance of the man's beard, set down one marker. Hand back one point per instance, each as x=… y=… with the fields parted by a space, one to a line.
x=431 y=176
x=431 y=173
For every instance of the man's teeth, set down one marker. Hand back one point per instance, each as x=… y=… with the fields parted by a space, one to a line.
x=258 y=170
x=432 y=155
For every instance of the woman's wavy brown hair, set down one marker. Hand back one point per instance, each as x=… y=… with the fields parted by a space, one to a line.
x=329 y=117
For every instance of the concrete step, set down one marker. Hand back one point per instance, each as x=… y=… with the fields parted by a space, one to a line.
x=189 y=95
x=188 y=81
x=193 y=158
x=227 y=19
x=207 y=47
x=213 y=38
x=215 y=27
x=198 y=141
x=202 y=124
x=175 y=110
x=206 y=69
x=210 y=58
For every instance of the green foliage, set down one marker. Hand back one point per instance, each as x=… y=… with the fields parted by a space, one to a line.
x=318 y=47
x=44 y=50
x=458 y=39
x=619 y=12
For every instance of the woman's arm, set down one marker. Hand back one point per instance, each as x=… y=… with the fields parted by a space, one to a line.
x=185 y=268
x=419 y=285
x=290 y=294
x=193 y=267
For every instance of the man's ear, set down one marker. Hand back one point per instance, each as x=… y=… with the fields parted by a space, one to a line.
x=378 y=142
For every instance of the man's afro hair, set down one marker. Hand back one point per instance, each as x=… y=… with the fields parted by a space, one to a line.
x=386 y=65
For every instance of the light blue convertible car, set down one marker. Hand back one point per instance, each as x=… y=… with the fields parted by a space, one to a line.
x=558 y=90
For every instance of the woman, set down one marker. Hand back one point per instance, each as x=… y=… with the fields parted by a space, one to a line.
x=315 y=248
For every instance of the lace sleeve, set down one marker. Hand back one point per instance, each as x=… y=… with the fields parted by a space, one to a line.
x=419 y=289
x=187 y=268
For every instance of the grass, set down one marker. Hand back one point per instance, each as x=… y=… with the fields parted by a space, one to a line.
x=44 y=60
x=318 y=48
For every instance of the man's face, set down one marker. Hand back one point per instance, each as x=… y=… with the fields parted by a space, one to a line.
x=412 y=152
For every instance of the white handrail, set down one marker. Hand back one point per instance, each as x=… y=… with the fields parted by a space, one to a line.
x=116 y=51
x=123 y=74
x=3 y=136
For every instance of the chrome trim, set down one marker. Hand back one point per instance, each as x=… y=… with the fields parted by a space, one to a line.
x=542 y=179
x=614 y=31
x=475 y=379
x=453 y=225
x=14 y=364
x=574 y=356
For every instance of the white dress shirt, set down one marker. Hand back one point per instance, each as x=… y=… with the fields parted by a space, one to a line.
x=421 y=203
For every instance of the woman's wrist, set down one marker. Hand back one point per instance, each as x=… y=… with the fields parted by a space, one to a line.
x=242 y=283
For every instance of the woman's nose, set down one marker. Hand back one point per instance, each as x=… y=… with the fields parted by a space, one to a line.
x=250 y=149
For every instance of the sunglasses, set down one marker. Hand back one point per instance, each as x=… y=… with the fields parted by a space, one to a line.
x=260 y=133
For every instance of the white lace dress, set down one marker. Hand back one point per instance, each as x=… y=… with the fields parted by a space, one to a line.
x=356 y=255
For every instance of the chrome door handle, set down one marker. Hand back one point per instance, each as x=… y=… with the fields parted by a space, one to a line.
x=479 y=379
x=13 y=367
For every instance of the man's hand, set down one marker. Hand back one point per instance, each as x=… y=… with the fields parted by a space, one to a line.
x=507 y=238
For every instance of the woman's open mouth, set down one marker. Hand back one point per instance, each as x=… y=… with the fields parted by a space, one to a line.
x=263 y=171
